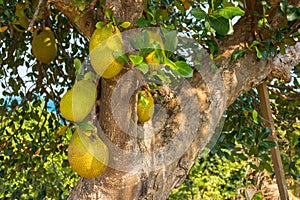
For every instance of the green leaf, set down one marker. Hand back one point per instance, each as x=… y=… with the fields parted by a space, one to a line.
x=292 y=13
x=171 y=41
x=257 y=196
x=212 y=45
x=254 y=115
x=113 y=19
x=108 y=13
x=264 y=54
x=258 y=52
x=1 y=1
x=198 y=13
x=220 y=24
x=255 y=43
x=162 y=76
x=180 y=67
x=228 y=12
x=136 y=59
x=86 y=125
x=283 y=6
x=78 y=66
x=260 y=23
x=160 y=55
x=237 y=54
x=179 y=6
x=143 y=67
x=265 y=133
x=162 y=14
x=142 y=22
x=213 y=4
x=133 y=44
x=125 y=25
x=268 y=144
x=100 y=24
x=62 y=130
x=120 y=56
x=89 y=76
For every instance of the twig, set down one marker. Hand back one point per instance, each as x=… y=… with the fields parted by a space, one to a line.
x=36 y=12
x=281 y=87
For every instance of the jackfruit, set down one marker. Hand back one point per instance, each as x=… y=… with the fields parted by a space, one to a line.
x=87 y=154
x=43 y=45
x=78 y=102
x=145 y=106
x=104 y=42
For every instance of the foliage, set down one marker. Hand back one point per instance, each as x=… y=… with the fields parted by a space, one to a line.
x=33 y=158
x=19 y=68
x=213 y=177
x=286 y=109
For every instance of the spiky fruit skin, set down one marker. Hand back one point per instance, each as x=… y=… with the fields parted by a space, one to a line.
x=43 y=45
x=145 y=106
x=104 y=42
x=87 y=154
x=106 y=36
x=78 y=102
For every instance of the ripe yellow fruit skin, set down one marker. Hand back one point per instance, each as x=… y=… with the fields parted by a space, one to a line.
x=43 y=45
x=78 y=102
x=87 y=154
x=106 y=36
x=104 y=42
x=145 y=112
x=104 y=63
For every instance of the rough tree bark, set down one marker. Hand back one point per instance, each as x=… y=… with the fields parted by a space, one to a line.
x=146 y=172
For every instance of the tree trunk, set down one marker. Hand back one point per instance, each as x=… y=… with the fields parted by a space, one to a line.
x=148 y=160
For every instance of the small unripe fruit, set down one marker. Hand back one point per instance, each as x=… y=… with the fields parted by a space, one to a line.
x=145 y=106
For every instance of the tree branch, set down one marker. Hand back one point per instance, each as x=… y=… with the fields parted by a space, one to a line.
x=84 y=19
x=35 y=15
x=283 y=64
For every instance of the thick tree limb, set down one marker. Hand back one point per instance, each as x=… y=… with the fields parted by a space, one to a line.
x=84 y=19
x=283 y=64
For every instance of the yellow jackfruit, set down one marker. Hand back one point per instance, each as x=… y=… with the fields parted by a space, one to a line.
x=145 y=106
x=87 y=154
x=43 y=45
x=78 y=102
x=104 y=42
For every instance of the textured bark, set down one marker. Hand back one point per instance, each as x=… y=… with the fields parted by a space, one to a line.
x=149 y=174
